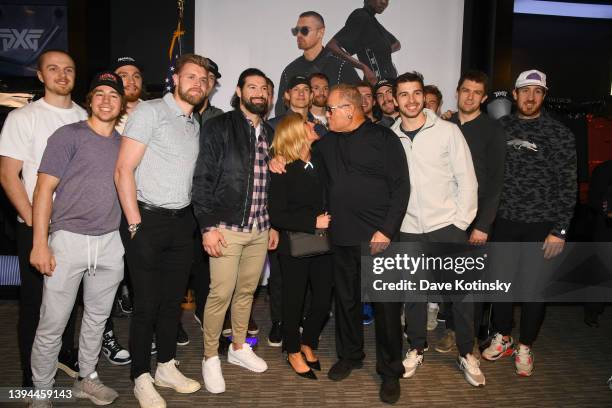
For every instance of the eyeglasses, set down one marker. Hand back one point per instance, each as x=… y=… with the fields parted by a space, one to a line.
x=304 y=30
x=332 y=109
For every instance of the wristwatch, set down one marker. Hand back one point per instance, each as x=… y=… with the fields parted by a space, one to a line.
x=133 y=228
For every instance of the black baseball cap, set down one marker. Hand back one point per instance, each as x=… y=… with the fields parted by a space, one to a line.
x=297 y=80
x=107 y=78
x=123 y=61
x=383 y=82
x=214 y=68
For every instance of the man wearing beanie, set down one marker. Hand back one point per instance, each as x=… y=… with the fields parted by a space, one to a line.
x=76 y=237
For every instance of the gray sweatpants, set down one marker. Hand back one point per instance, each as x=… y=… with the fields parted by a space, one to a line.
x=98 y=261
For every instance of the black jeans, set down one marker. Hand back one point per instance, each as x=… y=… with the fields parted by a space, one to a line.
x=275 y=287
x=532 y=314
x=297 y=273
x=349 y=319
x=30 y=299
x=159 y=257
x=462 y=312
x=200 y=275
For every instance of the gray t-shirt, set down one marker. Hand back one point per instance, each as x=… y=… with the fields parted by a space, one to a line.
x=86 y=200
x=165 y=173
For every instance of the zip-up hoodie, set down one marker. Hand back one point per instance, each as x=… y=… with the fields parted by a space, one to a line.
x=443 y=186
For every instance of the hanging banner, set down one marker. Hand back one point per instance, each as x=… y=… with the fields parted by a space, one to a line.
x=26 y=31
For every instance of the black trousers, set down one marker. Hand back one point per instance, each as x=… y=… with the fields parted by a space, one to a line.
x=200 y=275
x=297 y=274
x=462 y=312
x=532 y=314
x=275 y=287
x=349 y=319
x=30 y=298
x=159 y=257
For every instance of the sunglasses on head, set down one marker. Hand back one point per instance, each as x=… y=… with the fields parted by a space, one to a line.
x=297 y=29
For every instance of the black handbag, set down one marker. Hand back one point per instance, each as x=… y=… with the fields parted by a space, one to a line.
x=304 y=245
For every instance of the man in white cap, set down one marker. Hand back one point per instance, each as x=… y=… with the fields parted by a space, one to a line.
x=536 y=205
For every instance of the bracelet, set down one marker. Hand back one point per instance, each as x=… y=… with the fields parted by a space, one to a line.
x=133 y=228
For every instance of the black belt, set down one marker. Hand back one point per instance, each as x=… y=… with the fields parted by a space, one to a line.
x=168 y=212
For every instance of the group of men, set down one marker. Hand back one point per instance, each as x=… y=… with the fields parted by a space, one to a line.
x=144 y=177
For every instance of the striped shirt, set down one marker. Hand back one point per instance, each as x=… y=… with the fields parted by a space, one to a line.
x=258 y=214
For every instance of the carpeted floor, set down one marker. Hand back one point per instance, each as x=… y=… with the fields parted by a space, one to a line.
x=572 y=362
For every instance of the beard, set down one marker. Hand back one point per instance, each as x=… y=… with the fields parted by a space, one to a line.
x=190 y=98
x=258 y=108
x=133 y=96
x=319 y=101
x=468 y=110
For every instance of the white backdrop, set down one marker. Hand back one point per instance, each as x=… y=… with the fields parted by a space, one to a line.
x=238 y=34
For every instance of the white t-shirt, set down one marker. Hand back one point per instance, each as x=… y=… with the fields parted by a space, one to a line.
x=25 y=133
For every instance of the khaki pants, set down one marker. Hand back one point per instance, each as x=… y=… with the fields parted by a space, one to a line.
x=236 y=273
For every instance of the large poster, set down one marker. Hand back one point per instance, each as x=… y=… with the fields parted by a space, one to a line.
x=238 y=34
x=26 y=31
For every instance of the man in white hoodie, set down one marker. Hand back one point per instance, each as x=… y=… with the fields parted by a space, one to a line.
x=443 y=203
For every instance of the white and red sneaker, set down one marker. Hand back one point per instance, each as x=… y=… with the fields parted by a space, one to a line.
x=498 y=348
x=523 y=360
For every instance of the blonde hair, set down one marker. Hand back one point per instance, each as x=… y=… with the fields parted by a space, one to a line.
x=290 y=138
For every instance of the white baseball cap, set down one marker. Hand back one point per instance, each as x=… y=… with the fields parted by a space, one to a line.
x=531 y=77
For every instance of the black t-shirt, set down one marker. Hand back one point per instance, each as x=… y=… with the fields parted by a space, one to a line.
x=362 y=35
x=411 y=133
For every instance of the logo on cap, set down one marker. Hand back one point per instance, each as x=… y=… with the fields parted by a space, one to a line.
x=107 y=76
x=534 y=75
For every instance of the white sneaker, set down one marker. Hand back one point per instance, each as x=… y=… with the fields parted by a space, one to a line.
x=213 y=377
x=246 y=358
x=470 y=366
x=146 y=394
x=432 y=316
x=523 y=361
x=411 y=362
x=167 y=375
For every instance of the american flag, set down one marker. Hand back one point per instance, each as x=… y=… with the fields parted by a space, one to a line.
x=175 y=50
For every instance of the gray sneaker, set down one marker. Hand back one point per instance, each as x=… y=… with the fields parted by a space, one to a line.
x=447 y=342
x=92 y=388
x=471 y=370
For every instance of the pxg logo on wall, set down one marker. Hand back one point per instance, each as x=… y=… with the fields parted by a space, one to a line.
x=27 y=38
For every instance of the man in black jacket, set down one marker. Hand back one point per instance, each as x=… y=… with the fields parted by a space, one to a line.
x=487 y=142
x=229 y=197
x=368 y=193
x=309 y=32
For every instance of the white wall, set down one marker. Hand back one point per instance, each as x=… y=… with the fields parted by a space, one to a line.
x=238 y=34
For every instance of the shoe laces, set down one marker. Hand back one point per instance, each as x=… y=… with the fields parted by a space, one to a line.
x=110 y=342
x=414 y=356
x=94 y=382
x=522 y=353
x=472 y=365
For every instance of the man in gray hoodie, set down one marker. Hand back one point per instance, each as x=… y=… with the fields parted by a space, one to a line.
x=443 y=203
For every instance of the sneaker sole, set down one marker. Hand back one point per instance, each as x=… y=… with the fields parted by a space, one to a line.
x=117 y=363
x=213 y=391
x=191 y=390
x=227 y=332
x=69 y=371
x=162 y=403
x=468 y=378
x=444 y=351
x=275 y=344
x=524 y=373
x=235 y=361
x=252 y=332
x=506 y=353
x=95 y=400
x=182 y=343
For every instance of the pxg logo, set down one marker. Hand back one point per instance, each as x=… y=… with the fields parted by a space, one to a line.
x=14 y=39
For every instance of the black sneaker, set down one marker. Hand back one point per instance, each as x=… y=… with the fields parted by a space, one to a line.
x=342 y=369
x=275 y=338
x=227 y=327
x=113 y=351
x=252 y=329
x=68 y=362
x=153 y=346
x=389 y=390
x=181 y=336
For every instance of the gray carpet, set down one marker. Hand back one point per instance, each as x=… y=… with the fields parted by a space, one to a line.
x=572 y=363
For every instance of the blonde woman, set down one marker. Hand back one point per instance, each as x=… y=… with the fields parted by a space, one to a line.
x=296 y=203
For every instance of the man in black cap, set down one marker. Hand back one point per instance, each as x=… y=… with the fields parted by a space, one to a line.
x=206 y=111
x=130 y=72
x=383 y=91
x=309 y=32
x=299 y=97
x=78 y=167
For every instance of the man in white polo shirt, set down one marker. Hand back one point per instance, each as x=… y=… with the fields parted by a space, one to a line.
x=22 y=143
